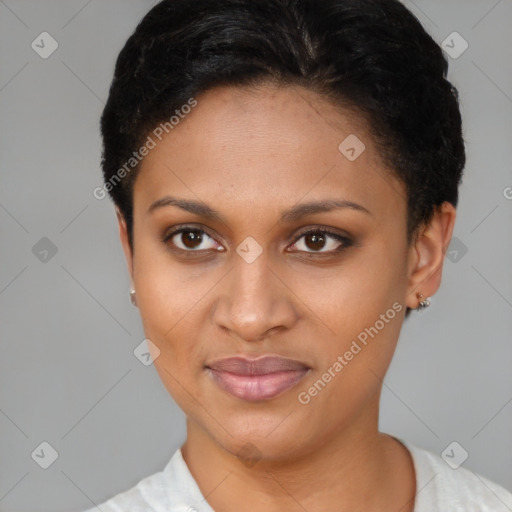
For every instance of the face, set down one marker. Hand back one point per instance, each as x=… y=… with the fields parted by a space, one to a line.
x=229 y=261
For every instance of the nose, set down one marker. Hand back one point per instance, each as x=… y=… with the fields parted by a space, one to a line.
x=255 y=301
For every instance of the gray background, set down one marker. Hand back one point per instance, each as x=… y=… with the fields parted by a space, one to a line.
x=68 y=375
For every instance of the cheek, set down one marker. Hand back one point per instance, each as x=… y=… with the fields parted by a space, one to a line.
x=171 y=322
x=353 y=363
x=169 y=299
x=357 y=292
x=164 y=294
x=362 y=305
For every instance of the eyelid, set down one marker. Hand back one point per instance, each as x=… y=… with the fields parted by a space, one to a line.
x=323 y=229
x=183 y=227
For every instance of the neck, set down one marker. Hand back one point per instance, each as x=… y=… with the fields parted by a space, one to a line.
x=355 y=468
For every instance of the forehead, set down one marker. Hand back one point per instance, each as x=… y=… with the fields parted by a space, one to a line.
x=272 y=145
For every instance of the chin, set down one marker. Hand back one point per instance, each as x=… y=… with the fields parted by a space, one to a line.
x=271 y=438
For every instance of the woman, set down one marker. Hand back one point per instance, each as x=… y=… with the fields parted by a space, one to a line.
x=285 y=175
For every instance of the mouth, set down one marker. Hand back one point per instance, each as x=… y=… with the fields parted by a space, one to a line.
x=257 y=379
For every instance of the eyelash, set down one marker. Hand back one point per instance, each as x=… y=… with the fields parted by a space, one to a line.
x=345 y=241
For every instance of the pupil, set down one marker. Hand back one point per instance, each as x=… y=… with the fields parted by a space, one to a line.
x=192 y=239
x=317 y=239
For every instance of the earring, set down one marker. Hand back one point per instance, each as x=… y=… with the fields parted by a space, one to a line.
x=423 y=303
x=132 y=297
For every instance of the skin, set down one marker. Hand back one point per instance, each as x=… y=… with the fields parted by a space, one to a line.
x=251 y=153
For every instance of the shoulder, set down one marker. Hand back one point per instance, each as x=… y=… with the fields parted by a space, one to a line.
x=145 y=496
x=447 y=486
x=172 y=489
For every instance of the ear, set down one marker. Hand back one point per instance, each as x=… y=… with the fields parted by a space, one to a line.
x=123 y=235
x=426 y=256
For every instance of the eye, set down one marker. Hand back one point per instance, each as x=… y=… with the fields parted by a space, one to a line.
x=319 y=239
x=316 y=241
x=191 y=239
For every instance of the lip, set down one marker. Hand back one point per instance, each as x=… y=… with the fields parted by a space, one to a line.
x=257 y=379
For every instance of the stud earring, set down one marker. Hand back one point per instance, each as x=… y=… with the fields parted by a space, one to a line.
x=423 y=302
x=132 y=297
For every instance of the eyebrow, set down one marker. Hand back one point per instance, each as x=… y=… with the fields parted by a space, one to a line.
x=293 y=214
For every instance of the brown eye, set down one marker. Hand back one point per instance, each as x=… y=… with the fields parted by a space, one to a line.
x=191 y=240
x=315 y=241
x=318 y=240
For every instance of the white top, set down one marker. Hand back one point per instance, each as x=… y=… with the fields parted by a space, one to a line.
x=439 y=488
